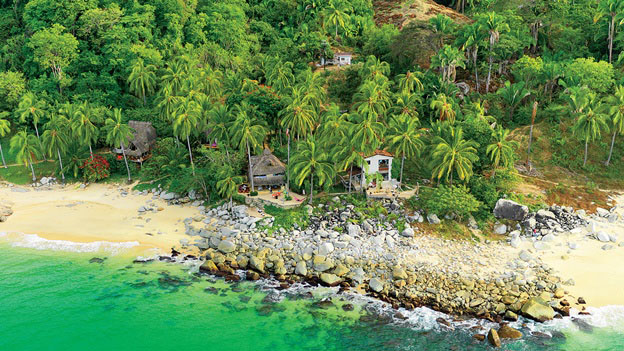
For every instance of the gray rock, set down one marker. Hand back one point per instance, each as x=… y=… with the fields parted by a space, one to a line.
x=540 y=246
x=602 y=212
x=602 y=236
x=325 y=248
x=226 y=246
x=607 y=247
x=525 y=256
x=548 y=238
x=472 y=224
x=301 y=269
x=330 y=279
x=573 y=246
x=376 y=285
x=537 y=309
x=545 y=214
x=353 y=230
x=167 y=196
x=408 y=232
x=613 y=218
x=515 y=242
x=500 y=229
x=507 y=209
x=432 y=218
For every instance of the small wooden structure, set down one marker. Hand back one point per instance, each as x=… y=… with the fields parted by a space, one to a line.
x=268 y=171
x=138 y=147
x=340 y=59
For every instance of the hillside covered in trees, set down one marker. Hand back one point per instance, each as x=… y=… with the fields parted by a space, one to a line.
x=458 y=96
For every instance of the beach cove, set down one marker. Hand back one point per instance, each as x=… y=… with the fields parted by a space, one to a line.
x=174 y=227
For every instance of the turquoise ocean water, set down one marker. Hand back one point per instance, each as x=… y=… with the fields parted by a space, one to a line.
x=58 y=300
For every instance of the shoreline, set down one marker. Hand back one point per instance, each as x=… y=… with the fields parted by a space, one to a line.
x=471 y=288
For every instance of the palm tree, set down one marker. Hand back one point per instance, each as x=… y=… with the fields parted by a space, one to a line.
x=174 y=76
x=186 y=120
x=403 y=139
x=299 y=117
x=117 y=133
x=471 y=38
x=406 y=105
x=336 y=17
x=445 y=108
x=366 y=135
x=27 y=149
x=615 y=105
x=409 y=82
x=371 y=99
x=373 y=68
x=590 y=121
x=453 y=154
x=613 y=9
x=501 y=150
x=495 y=25
x=280 y=75
x=167 y=102
x=249 y=132
x=448 y=59
x=476 y=111
x=442 y=25
x=56 y=139
x=83 y=125
x=311 y=160
x=220 y=118
x=31 y=108
x=227 y=187
x=512 y=95
x=5 y=128
x=142 y=79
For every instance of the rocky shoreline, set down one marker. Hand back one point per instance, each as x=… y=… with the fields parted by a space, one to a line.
x=386 y=256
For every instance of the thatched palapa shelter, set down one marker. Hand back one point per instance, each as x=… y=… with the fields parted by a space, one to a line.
x=268 y=170
x=139 y=146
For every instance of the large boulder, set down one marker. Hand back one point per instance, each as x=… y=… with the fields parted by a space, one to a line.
x=507 y=332
x=507 y=209
x=226 y=246
x=538 y=309
x=330 y=279
x=493 y=338
x=376 y=285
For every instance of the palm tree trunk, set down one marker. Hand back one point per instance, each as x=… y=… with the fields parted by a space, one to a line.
x=611 y=150
x=611 y=34
x=32 y=169
x=487 y=83
x=39 y=140
x=288 y=168
x=474 y=58
x=2 y=155
x=451 y=178
x=58 y=151
x=91 y=151
x=188 y=143
x=311 y=184
x=231 y=203
x=528 y=162
x=123 y=151
x=585 y=158
x=250 y=170
x=401 y=176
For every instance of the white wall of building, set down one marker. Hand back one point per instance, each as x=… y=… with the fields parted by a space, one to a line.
x=373 y=165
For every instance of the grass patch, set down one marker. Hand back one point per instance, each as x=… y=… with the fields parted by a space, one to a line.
x=21 y=175
x=286 y=218
x=9 y=156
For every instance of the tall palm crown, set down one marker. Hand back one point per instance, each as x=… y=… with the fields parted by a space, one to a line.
x=501 y=150
x=590 y=122
x=371 y=99
x=227 y=187
x=615 y=110
x=299 y=116
x=248 y=132
x=167 y=102
x=336 y=17
x=445 y=108
x=220 y=118
x=410 y=83
x=403 y=138
x=56 y=136
x=174 y=76
x=142 y=79
x=27 y=149
x=442 y=25
x=453 y=154
x=366 y=132
x=407 y=105
x=83 y=125
x=5 y=128
x=312 y=160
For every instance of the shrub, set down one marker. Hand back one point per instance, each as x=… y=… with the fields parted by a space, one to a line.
x=253 y=193
x=445 y=200
x=96 y=168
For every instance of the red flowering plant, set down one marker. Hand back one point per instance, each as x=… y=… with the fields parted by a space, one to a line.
x=96 y=168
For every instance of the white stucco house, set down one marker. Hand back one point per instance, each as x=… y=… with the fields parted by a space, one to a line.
x=340 y=59
x=379 y=162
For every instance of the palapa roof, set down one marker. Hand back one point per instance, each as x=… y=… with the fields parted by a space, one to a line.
x=143 y=139
x=266 y=164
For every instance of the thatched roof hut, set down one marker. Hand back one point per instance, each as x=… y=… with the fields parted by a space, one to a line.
x=141 y=142
x=267 y=169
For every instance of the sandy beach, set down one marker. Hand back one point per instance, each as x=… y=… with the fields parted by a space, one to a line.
x=598 y=274
x=97 y=213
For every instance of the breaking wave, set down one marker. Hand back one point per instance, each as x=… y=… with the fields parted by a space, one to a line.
x=34 y=241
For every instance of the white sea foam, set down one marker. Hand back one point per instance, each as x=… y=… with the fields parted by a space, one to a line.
x=34 y=241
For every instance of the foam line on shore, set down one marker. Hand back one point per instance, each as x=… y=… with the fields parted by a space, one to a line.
x=34 y=241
